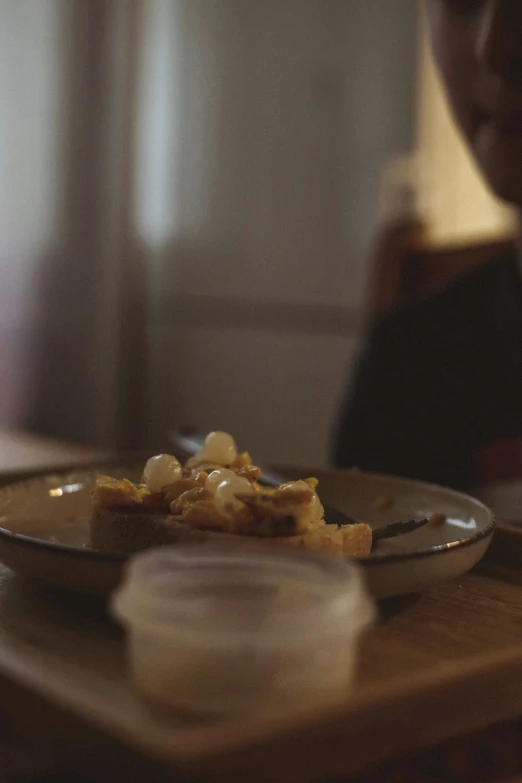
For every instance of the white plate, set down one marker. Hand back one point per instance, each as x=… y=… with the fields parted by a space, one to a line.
x=45 y=530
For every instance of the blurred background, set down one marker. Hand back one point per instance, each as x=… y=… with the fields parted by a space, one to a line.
x=191 y=194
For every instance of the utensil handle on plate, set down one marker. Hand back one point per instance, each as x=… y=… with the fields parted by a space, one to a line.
x=398 y=528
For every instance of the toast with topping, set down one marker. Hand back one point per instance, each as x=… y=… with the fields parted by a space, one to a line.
x=215 y=493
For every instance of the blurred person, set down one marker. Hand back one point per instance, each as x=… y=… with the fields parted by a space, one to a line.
x=438 y=387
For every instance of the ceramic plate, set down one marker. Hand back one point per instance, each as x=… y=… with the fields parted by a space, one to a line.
x=45 y=529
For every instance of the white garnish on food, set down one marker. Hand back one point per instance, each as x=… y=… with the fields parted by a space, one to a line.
x=302 y=486
x=225 y=498
x=318 y=507
x=299 y=486
x=217 y=477
x=160 y=471
x=219 y=447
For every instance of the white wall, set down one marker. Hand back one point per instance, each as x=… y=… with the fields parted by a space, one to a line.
x=275 y=392
x=262 y=129
x=280 y=115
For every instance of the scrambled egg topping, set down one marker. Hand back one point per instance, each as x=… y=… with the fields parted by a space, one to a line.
x=208 y=495
x=265 y=512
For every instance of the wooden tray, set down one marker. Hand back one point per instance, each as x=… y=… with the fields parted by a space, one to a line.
x=439 y=665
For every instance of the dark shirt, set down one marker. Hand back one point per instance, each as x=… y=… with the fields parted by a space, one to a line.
x=437 y=393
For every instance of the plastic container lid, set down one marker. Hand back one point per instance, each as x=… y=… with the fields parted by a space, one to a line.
x=230 y=590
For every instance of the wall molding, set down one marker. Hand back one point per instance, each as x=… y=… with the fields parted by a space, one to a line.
x=257 y=315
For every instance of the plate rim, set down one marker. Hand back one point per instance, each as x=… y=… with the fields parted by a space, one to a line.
x=62 y=549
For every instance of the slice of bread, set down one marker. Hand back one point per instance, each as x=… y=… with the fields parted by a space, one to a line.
x=348 y=540
x=129 y=517
x=125 y=531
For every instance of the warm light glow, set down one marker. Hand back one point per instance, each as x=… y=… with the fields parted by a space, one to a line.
x=454 y=198
x=57 y=492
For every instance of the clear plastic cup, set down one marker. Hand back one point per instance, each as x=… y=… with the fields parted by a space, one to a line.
x=217 y=630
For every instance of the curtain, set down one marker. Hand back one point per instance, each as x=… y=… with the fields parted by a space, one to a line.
x=74 y=285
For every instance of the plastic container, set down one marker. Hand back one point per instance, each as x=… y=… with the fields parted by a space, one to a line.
x=224 y=630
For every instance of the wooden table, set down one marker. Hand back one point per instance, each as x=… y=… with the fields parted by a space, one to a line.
x=429 y=672
x=66 y=701
x=24 y=453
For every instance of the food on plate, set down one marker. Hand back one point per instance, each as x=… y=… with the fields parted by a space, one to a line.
x=216 y=493
x=437 y=519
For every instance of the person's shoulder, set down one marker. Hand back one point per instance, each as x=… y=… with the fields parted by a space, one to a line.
x=443 y=310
